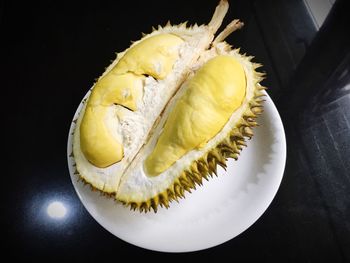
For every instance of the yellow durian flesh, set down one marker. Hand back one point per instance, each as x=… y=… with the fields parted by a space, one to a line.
x=154 y=56
x=97 y=143
x=122 y=85
x=122 y=89
x=211 y=96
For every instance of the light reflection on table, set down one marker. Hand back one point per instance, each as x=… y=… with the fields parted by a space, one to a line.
x=57 y=210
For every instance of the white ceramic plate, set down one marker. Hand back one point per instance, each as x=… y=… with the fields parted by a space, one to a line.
x=216 y=212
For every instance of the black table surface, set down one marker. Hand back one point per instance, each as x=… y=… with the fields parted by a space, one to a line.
x=52 y=52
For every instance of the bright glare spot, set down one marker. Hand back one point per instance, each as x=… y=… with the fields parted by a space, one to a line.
x=56 y=210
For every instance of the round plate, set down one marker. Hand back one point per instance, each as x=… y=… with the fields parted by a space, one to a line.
x=216 y=212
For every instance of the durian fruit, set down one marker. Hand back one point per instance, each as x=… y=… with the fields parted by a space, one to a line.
x=166 y=112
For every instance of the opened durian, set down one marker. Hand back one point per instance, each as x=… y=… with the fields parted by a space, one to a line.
x=166 y=112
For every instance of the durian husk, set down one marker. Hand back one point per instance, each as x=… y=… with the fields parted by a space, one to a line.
x=206 y=166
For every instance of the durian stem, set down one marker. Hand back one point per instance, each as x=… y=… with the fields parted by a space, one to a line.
x=233 y=26
x=218 y=15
